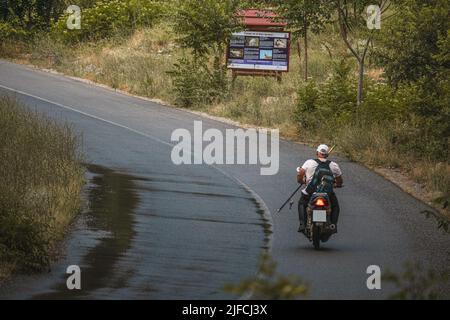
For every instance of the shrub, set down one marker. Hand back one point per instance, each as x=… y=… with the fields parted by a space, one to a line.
x=381 y=104
x=328 y=105
x=337 y=98
x=107 y=18
x=41 y=181
x=7 y=31
x=413 y=119
x=269 y=284
x=195 y=85
x=308 y=100
x=205 y=25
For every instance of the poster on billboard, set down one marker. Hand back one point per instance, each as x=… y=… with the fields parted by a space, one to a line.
x=259 y=50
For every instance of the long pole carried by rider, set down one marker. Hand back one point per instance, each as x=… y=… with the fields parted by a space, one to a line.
x=298 y=189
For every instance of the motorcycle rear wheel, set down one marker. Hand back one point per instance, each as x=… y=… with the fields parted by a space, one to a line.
x=316 y=237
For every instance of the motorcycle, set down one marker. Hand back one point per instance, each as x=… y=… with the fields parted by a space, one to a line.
x=319 y=227
x=318 y=219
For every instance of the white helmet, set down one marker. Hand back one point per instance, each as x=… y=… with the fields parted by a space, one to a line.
x=323 y=150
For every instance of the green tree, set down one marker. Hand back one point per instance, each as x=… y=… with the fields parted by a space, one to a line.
x=304 y=16
x=421 y=29
x=30 y=13
x=352 y=22
x=415 y=44
x=205 y=26
x=106 y=18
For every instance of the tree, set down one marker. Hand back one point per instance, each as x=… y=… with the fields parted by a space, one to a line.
x=422 y=32
x=205 y=26
x=352 y=26
x=30 y=13
x=304 y=16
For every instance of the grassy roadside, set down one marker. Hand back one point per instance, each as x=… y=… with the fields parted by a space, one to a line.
x=41 y=179
x=139 y=64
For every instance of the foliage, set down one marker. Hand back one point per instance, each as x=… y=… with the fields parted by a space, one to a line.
x=308 y=102
x=421 y=29
x=7 y=31
x=41 y=183
x=194 y=84
x=332 y=102
x=205 y=25
x=417 y=119
x=107 y=18
x=269 y=285
x=30 y=14
x=20 y=19
x=415 y=283
x=305 y=15
x=337 y=97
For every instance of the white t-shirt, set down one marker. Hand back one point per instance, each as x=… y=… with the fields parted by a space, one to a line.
x=311 y=165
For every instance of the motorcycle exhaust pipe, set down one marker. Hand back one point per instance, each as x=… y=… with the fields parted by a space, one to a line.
x=332 y=227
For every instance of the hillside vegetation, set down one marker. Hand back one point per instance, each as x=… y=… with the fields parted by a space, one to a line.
x=382 y=95
x=41 y=179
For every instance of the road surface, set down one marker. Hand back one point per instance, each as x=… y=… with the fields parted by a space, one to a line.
x=155 y=230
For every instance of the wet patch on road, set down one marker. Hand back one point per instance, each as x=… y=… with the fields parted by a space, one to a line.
x=156 y=237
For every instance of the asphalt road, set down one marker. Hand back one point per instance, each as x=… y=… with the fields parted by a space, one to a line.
x=156 y=230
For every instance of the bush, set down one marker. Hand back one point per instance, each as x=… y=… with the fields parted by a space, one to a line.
x=308 y=102
x=51 y=52
x=413 y=45
x=41 y=182
x=195 y=85
x=333 y=103
x=381 y=104
x=7 y=31
x=107 y=18
x=270 y=284
x=413 y=119
x=205 y=25
x=337 y=97
x=428 y=119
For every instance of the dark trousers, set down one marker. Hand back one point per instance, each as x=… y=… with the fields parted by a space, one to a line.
x=335 y=209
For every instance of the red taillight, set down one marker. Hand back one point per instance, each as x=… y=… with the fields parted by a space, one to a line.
x=320 y=202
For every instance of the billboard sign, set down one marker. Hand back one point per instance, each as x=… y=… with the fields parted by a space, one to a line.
x=259 y=50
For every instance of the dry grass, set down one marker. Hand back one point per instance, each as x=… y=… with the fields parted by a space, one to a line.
x=372 y=145
x=436 y=179
x=41 y=179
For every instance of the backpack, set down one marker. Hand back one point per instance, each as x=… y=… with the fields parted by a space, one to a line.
x=322 y=180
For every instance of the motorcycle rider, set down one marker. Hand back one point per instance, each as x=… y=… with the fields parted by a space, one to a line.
x=305 y=175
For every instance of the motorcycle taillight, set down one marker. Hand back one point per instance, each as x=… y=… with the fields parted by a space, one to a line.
x=320 y=202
